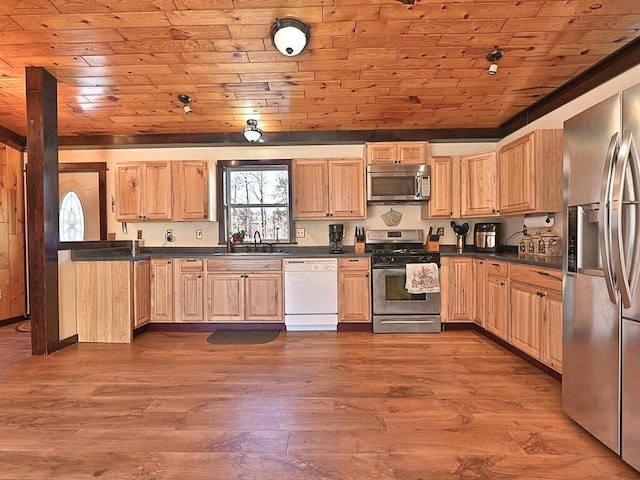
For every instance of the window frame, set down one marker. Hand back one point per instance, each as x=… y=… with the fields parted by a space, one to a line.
x=221 y=178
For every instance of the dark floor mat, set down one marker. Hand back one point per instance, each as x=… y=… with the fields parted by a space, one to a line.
x=242 y=337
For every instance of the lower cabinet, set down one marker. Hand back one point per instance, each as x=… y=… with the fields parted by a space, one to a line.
x=354 y=290
x=536 y=313
x=189 y=294
x=460 y=304
x=480 y=280
x=110 y=315
x=497 y=299
x=162 y=302
x=244 y=291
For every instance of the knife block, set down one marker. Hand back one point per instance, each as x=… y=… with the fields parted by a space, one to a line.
x=358 y=247
x=433 y=243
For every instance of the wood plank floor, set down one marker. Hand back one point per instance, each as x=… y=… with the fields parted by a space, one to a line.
x=317 y=405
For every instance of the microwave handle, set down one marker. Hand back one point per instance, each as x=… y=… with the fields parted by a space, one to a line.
x=418 y=186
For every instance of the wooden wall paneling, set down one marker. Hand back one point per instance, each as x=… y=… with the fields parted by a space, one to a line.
x=17 y=275
x=42 y=189
x=5 y=298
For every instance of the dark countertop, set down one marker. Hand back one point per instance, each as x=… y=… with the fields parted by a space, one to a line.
x=119 y=253
x=509 y=254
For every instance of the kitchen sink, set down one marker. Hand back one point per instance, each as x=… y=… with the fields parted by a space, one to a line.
x=255 y=254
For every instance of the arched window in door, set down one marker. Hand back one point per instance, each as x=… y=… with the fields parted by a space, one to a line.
x=71 y=218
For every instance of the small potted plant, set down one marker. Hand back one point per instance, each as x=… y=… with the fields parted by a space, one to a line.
x=238 y=236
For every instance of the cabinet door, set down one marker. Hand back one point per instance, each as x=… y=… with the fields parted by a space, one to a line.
x=310 y=189
x=382 y=152
x=264 y=297
x=498 y=307
x=161 y=290
x=516 y=176
x=552 y=331
x=461 y=292
x=158 y=193
x=354 y=297
x=190 y=297
x=129 y=192
x=478 y=184
x=441 y=203
x=412 y=152
x=225 y=297
x=480 y=277
x=527 y=308
x=346 y=188
x=191 y=192
x=142 y=289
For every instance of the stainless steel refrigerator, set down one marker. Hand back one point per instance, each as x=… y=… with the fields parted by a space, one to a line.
x=601 y=308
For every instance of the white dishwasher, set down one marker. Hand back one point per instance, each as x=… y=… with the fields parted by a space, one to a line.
x=310 y=293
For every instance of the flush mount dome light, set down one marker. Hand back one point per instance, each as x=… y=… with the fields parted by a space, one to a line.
x=251 y=132
x=289 y=36
x=493 y=56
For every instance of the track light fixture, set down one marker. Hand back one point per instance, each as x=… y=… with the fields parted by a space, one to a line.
x=289 y=36
x=186 y=100
x=251 y=132
x=493 y=56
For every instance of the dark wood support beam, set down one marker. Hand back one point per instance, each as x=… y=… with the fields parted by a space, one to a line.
x=42 y=201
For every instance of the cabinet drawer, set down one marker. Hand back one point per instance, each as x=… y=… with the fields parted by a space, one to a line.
x=191 y=265
x=248 y=265
x=355 y=263
x=545 y=278
x=497 y=269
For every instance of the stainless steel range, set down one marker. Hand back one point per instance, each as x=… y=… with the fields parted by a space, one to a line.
x=395 y=310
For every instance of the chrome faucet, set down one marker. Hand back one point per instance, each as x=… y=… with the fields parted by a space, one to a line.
x=255 y=243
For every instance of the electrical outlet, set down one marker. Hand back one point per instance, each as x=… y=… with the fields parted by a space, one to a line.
x=169 y=236
x=299 y=232
x=198 y=234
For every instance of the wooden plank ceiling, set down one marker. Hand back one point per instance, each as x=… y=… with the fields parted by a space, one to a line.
x=370 y=65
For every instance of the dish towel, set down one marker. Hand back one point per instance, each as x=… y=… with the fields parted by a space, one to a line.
x=422 y=278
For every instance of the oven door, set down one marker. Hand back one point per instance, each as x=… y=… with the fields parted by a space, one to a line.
x=390 y=297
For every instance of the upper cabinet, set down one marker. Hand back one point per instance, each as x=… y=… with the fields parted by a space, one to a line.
x=191 y=190
x=396 y=152
x=478 y=184
x=530 y=173
x=162 y=191
x=445 y=189
x=329 y=188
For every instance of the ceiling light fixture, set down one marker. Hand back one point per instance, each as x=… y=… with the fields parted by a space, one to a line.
x=251 y=132
x=289 y=36
x=493 y=56
x=186 y=100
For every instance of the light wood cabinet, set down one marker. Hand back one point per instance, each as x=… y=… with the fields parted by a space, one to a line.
x=177 y=191
x=536 y=313
x=478 y=184
x=480 y=280
x=461 y=291
x=354 y=290
x=191 y=190
x=109 y=315
x=162 y=291
x=143 y=191
x=445 y=188
x=552 y=331
x=396 y=152
x=189 y=291
x=245 y=290
x=330 y=188
x=497 y=299
x=527 y=309
x=530 y=173
x=142 y=292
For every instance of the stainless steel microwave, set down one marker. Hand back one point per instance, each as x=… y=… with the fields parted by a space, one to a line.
x=398 y=183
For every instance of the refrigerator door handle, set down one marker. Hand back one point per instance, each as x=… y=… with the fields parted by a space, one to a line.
x=604 y=217
x=626 y=278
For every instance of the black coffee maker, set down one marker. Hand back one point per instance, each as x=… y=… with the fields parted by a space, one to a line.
x=336 y=232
